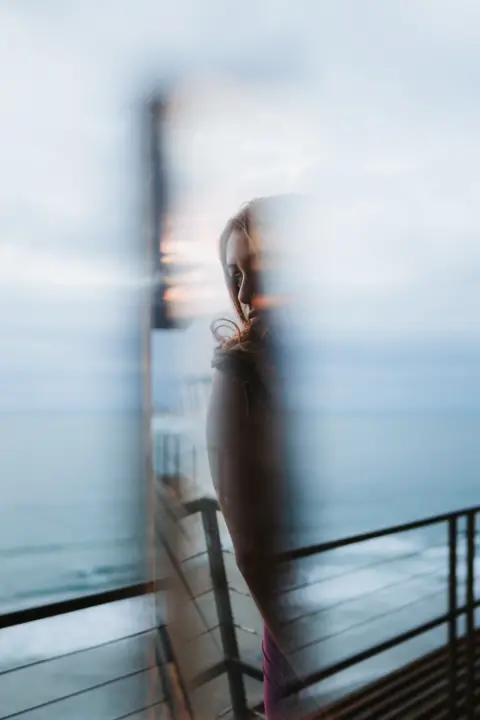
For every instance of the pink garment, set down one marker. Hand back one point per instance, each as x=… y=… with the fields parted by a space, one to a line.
x=277 y=675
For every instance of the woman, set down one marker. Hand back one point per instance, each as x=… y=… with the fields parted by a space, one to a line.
x=243 y=442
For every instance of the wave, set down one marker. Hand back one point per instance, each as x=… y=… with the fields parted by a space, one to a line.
x=21 y=551
x=81 y=630
x=72 y=582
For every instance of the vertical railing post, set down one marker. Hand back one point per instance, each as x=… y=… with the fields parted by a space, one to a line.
x=470 y=603
x=452 y=617
x=224 y=611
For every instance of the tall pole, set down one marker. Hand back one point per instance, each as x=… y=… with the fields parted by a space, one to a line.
x=170 y=614
x=161 y=317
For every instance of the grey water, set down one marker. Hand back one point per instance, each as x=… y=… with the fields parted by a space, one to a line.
x=73 y=509
x=72 y=504
x=364 y=471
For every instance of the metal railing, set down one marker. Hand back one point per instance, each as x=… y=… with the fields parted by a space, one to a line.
x=44 y=612
x=237 y=668
x=456 y=566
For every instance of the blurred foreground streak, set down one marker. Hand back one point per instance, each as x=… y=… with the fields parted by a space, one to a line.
x=375 y=625
x=201 y=656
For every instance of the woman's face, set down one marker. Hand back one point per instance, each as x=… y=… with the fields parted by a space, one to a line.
x=243 y=273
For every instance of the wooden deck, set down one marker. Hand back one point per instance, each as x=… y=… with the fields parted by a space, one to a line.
x=418 y=691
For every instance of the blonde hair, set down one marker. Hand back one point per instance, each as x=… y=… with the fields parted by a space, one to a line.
x=246 y=220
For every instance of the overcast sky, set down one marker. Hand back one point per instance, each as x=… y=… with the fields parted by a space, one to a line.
x=372 y=110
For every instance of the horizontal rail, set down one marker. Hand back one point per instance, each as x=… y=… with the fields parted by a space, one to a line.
x=143 y=709
x=209 y=674
x=201 y=504
x=252 y=671
x=205 y=503
x=42 y=612
x=319 y=548
x=79 y=693
x=80 y=651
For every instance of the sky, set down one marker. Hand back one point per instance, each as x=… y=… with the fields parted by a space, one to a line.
x=370 y=109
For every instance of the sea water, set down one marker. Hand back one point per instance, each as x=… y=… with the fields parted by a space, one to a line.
x=356 y=472
x=73 y=505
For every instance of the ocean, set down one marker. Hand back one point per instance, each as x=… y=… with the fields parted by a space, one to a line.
x=73 y=508
x=371 y=470
x=72 y=504
x=356 y=472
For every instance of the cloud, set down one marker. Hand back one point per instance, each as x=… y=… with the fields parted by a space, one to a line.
x=371 y=109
